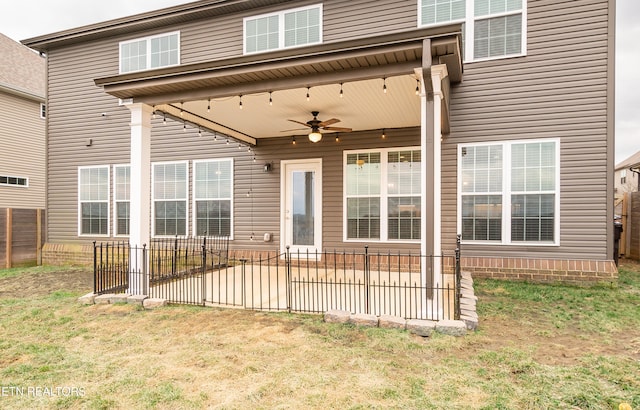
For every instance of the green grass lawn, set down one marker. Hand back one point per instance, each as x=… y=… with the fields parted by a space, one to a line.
x=538 y=347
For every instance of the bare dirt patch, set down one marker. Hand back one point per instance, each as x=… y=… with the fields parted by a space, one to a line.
x=43 y=283
x=554 y=347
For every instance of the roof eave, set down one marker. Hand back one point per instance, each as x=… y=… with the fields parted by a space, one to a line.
x=143 y=21
x=352 y=48
x=22 y=92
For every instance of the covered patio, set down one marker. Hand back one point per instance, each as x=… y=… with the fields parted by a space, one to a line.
x=389 y=82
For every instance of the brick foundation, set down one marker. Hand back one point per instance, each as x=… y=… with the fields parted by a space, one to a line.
x=67 y=254
x=575 y=271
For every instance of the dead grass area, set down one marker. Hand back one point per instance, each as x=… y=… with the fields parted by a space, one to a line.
x=538 y=347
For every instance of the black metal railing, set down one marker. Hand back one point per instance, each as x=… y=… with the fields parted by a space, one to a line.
x=204 y=272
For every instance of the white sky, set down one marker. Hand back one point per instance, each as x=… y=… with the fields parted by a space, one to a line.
x=22 y=19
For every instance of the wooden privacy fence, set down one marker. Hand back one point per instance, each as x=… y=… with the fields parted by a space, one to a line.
x=21 y=236
x=629 y=245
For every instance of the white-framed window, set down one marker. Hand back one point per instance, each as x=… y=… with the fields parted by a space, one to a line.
x=93 y=200
x=623 y=176
x=491 y=28
x=288 y=28
x=509 y=192
x=151 y=52
x=43 y=110
x=382 y=190
x=14 y=181
x=121 y=199
x=213 y=197
x=169 y=192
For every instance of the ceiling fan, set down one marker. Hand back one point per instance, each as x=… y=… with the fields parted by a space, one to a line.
x=316 y=125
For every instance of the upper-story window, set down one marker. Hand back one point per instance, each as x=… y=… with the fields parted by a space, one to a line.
x=150 y=52
x=492 y=28
x=288 y=28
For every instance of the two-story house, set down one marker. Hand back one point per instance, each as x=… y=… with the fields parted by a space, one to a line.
x=626 y=177
x=398 y=124
x=22 y=157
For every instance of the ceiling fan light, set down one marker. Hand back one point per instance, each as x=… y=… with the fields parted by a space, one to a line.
x=315 y=136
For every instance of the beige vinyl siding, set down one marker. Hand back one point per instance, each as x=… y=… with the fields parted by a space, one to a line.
x=205 y=40
x=22 y=134
x=75 y=107
x=559 y=90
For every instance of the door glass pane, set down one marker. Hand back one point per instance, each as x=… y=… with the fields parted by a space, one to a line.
x=303 y=212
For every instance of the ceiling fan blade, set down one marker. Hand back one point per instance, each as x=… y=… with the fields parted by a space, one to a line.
x=340 y=129
x=301 y=123
x=295 y=129
x=328 y=122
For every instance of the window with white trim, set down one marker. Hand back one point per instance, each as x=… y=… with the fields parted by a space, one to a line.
x=623 y=176
x=383 y=195
x=494 y=28
x=121 y=198
x=170 y=198
x=150 y=52
x=213 y=194
x=93 y=200
x=509 y=192
x=284 y=29
x=43 y=110
x=13 y=181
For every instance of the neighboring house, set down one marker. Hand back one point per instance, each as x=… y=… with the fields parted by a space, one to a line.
x=489 y=119
x=22 y=157
x=626 y=177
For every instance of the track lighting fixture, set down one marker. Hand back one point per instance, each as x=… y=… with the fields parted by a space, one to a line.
x=240 y=104
x=384 y=85
x=341 y=92
x=209 y=105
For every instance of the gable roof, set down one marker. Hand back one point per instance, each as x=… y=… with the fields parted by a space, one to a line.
x=627 y=163
x=22 y=71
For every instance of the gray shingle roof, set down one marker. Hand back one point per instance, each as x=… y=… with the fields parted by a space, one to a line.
x=21 y=68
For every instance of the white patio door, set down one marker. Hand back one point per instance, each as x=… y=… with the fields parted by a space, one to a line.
x=301 y=199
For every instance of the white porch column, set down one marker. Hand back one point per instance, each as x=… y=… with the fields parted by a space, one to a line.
x=431 y=201
x=438 y=73
x=140 y=194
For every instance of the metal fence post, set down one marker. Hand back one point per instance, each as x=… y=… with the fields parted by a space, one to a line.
x=95 y=268
x=287 y=263
x=243 y=261
x=203 y=282
x=458 y=277
x=366 y=279
x=145 y=270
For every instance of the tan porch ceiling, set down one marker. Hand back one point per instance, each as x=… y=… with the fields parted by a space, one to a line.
x=362 y=66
